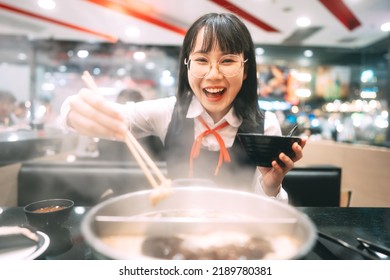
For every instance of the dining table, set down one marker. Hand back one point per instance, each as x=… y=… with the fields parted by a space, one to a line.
x=340 y=223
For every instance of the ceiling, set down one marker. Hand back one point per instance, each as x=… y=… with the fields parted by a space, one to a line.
x=351 y=24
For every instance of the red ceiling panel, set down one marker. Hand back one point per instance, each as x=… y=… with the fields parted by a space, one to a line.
x=132 y=8
x=107 y=37
x=240 y=12
x=342 y=13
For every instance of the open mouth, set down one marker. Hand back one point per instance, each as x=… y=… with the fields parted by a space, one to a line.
x=214 y=92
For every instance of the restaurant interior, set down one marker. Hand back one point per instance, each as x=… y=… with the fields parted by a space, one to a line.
x=324 y=65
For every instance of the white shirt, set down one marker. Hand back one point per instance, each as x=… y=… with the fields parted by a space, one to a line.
x=152 y=117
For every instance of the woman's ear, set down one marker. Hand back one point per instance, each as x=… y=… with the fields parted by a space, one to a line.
x=245 y=74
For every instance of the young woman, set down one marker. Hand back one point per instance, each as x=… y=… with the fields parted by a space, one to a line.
x=216 y=99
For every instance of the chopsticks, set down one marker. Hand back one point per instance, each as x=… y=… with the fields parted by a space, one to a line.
x=140 y=155
x=373 y=248
x=346 y=245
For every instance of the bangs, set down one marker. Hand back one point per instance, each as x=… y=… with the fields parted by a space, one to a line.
x=224 y=33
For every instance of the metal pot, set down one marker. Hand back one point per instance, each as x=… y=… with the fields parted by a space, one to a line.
x=132 y=215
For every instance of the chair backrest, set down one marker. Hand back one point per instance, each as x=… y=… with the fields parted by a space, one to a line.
x=314 y=186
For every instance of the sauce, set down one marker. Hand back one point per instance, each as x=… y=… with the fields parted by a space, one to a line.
x=49 y=209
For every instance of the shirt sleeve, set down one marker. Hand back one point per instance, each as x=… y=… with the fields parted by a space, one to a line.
x=151 y=117
x=258 y=189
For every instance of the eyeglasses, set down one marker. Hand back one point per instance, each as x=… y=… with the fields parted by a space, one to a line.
x=200 y=66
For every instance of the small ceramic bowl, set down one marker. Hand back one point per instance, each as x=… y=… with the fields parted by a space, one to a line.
x=50 y=212
x=263 y=149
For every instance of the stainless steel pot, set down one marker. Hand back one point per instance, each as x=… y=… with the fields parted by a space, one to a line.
x=291 y=232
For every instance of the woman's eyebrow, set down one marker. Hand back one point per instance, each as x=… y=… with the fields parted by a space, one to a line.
x=200 y=51
x=207 y=52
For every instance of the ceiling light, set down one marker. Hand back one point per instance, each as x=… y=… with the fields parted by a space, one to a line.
x=303 y=21
x=62 y=68
x=308 y=53
x=121 y=72
x=367 y=94
x=150 y=65
x=47 y=4
x=385 y=27
x=303 y=92
x=96 y=71
x=83 y=53
x=139 y=56
x=22 y=56
x=259 y=51
x=132 y=32
x=301 y=76
x=367 y=76
x=48 y=86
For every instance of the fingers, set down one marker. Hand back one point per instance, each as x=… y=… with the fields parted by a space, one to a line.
x=287 y=161
x=99 y=107
x=91 y=115
x=273 y=177
x=287 y=164
x=303 y=142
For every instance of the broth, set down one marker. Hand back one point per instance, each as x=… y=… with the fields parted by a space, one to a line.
x=213 y=245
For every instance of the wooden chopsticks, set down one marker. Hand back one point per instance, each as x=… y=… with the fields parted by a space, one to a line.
x=140 y=155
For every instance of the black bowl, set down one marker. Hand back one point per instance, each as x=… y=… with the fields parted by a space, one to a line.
x=50 y=212
x=263 y=149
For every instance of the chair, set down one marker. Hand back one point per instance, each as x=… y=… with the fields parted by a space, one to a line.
x=312 y=186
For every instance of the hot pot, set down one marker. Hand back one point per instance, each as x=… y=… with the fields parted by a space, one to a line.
x=129 y=227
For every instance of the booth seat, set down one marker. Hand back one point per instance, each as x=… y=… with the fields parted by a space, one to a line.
x=88 y=181
x=314 y=185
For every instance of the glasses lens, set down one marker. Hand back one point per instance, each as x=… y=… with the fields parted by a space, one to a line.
x=228 y=65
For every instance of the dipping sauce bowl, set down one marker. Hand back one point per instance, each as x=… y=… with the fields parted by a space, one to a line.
x=50 y=212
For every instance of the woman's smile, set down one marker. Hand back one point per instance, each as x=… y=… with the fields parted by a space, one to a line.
x=214 y=93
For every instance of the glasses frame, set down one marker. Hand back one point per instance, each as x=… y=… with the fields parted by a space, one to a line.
x=187 y=63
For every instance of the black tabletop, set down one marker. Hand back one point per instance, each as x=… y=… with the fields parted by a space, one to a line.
x=371 y=224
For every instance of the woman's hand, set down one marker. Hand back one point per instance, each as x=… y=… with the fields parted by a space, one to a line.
x=91 y=115
x=272 y=177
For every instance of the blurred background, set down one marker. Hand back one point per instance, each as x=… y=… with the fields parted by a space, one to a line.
x=323 y=64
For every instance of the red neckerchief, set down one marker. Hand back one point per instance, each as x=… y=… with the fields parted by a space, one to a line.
x=223 y=152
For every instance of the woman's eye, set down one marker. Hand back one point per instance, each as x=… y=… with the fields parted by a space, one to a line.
x=201 y=60
x=227 y=61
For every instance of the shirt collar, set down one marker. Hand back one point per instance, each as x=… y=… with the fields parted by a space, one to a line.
x=196 y=109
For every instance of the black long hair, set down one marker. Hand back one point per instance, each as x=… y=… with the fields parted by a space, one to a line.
x=232 y=36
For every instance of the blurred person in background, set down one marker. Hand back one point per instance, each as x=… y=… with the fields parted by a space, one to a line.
x=129 y=95
x=21 y=115
x=7 y=105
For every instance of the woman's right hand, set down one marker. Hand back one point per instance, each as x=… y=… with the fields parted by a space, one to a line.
x=91 y=115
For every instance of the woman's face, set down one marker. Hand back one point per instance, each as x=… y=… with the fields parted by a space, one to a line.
x=215 y=91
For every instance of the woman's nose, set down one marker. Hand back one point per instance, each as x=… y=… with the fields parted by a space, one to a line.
x=214 y=71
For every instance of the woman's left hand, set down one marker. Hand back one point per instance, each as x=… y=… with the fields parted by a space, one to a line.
x=272 y=177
